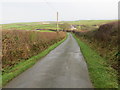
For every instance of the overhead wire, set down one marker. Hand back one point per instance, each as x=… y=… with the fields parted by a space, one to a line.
x=53 y=8
x=49 y=5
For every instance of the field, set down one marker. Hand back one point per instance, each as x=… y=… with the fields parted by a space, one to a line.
x=87 y=25
x=80 y=25
x=29 y=26
x=90 y=22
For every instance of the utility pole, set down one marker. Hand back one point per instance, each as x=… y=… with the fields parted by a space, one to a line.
x=57 y=21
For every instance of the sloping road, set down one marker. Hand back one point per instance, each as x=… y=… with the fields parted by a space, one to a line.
x=64 y=67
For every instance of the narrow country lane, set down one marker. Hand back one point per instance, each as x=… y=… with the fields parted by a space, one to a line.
x=64 y=67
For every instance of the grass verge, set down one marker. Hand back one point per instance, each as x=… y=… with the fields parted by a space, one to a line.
x=22 y=66
x=102 y=76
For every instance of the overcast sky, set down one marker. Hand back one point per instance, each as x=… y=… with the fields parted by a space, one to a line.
x=45 y=10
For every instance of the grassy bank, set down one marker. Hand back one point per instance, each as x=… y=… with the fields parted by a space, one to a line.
x=22 y=66
x=102 y=76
